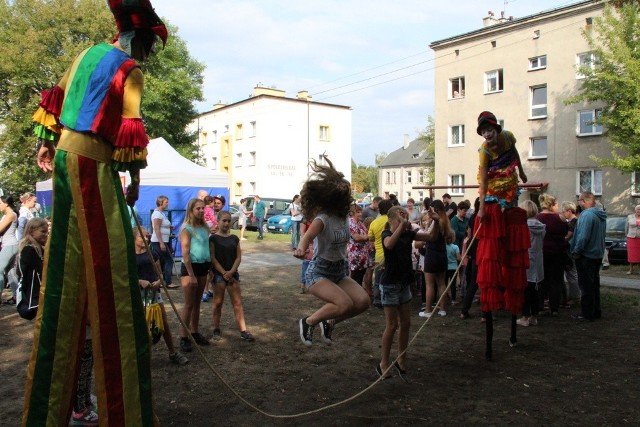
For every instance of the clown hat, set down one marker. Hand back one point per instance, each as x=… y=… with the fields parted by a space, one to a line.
x=488 y=118
x=134 y=15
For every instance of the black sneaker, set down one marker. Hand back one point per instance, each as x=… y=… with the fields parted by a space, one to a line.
x=199 y=339
x=306 y=332
x=185 y=345
x=247 y=336
x=217 y=335
x=325 y=330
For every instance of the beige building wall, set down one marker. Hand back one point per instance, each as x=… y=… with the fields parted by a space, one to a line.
x=515 y=47
x=400 y=180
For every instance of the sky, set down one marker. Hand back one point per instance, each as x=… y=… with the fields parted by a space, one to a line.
x=370 y=55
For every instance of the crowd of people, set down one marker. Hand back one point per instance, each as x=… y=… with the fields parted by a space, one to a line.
x=525 y=257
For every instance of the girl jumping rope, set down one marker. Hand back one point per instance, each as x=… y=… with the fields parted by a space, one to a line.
x=326 y=197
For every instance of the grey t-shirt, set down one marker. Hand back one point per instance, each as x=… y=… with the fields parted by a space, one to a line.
x=331 y=243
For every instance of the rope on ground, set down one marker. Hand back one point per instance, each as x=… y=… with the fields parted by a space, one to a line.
x=237 y=394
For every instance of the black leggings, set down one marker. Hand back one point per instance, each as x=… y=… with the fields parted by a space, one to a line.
x=530 y=306
x=472 y=285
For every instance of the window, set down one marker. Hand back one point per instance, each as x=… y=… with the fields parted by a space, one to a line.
x=538 y=147
x=421 y=177
x=539 y=102
x=408 y=177
x=635 y=183
x=214 y=136
x=252 y=188
x=456 y=88
x=586 y=59
x=456 y=136
x=408 y=195
x=590 y=180
x=252 y=158
x=538 y=63
x=493 y=81
x=214 y=163
x=239 y=132
x=203 y=138
x=388 y=178
x=586 y=122
x=321 y=160
x=253 y=130
x=536 y=34
x=393 y=177
x=454 y=181
x=324 y=133
x=238 y=188
x=420 y=195
x=226 y=128
x=239 y=160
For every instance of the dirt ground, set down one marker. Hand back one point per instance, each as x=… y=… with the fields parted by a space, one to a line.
x=562 y=372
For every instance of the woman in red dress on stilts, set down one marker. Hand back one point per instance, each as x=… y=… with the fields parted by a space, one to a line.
x=503 y=236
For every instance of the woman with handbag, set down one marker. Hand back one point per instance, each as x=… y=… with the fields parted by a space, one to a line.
x=161 y=239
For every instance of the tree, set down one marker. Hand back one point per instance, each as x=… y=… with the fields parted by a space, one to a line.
x=613 y=81
x=428 y=138
x=41 y=37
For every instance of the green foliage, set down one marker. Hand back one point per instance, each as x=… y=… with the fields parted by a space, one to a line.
x=428 y=138
x=613 y=82
x=365 y=179
x=41 y=38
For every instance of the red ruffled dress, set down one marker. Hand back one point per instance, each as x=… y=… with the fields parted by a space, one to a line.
x=503 y=240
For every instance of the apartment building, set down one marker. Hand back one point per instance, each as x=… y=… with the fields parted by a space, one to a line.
x=265 y=142
x=403 y=169
x=523 y=70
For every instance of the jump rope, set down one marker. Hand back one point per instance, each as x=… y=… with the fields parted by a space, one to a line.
x=314 y=411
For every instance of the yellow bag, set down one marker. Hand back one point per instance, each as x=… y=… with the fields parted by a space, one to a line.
x=154 y=321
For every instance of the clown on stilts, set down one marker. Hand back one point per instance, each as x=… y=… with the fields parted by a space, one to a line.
x=89 y=127
x=502 y=232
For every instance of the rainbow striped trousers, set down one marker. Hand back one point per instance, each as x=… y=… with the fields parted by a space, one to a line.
x=89 y=275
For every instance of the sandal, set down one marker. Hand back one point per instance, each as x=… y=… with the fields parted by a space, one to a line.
x=401 y=372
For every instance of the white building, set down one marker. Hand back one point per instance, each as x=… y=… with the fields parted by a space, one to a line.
x=265 y=142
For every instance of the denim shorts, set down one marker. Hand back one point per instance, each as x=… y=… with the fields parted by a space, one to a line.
x=218 y=278
x=320 y=268
x=395 y=294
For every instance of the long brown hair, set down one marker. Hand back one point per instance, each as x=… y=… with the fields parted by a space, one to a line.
x=27 y=240
x=191 y=219
x=445 y=224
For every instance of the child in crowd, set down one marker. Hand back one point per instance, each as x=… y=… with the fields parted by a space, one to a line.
x=196 y=260
x=225 y=258
x=535 y=273
x=453 y=258
x=367 y=280
x=395 y=284
x=326 y=197
x=435 y=260
x=150 y=289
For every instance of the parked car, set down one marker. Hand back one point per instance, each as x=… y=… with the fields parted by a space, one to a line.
x=616 y=240
x=274 y=207
x=280 y=223
x=233 y=210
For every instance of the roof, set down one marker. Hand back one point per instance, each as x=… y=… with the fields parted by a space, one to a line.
x=509 y=24
x=277 y=98
x=414 y=155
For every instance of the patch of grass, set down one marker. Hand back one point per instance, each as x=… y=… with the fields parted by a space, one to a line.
x=619 y=298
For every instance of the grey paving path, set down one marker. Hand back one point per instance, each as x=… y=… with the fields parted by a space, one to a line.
x=617 y=282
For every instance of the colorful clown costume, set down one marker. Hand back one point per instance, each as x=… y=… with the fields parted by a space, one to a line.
x=90 y=269
x=503 y=239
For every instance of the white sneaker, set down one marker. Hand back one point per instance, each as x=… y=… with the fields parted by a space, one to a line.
x=442 y=313
x=426 y=314
x=523 y=321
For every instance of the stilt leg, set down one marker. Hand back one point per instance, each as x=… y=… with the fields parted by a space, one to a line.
x=513 y=340
x=489 y=332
